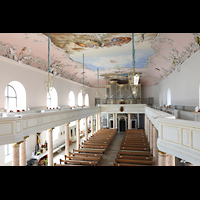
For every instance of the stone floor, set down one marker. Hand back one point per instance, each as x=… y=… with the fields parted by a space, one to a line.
x=111 y=152
x=108 y=158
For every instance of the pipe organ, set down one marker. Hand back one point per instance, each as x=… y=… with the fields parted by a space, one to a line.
x=122 y=93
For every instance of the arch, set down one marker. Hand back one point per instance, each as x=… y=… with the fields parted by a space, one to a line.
x=80 y=99
x=87 y=100
x=15 y=94
x=169 y=97
x=71 y=99
x=52 y=98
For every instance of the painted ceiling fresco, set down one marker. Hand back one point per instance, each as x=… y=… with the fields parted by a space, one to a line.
x=157 y=55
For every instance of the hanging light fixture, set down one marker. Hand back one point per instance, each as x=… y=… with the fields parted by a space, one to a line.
x=133 y=78
x=98 y=95
x=83 y=90
x=49 y=80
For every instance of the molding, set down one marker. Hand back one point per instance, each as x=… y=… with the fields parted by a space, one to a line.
x=14 y=129
x=128 y=108
x=180 y=138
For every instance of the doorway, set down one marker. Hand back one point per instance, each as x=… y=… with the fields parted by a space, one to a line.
x=122 y=125
x=122 y=122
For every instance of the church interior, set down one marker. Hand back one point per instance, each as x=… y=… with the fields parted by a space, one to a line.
x=99 y=99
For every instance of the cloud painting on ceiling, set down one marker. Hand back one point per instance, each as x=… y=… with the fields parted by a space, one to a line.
x=157 y=55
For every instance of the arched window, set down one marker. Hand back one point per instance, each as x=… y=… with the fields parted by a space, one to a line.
x=80 y=99
x=168 y=97
x=15 y=94
x=52 y=98
x=71 y=99
x=86 y=100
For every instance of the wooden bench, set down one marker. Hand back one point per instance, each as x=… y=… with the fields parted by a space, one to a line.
x=95 y=151
x=145 y=162
x=134 y=157
x=93 y=146
x=126 y=164
x=135 y=148
x=79 y=162
x=66 y=165
x=95 y=159
x=86 y=155
x=134 y=153
x=134 y=145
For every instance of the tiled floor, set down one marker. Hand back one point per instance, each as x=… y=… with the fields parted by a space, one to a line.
x=108 y=158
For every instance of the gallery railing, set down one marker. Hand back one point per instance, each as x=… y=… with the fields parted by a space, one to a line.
x=120 y=101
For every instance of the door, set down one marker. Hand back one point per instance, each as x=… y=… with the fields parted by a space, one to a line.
x=122 y=125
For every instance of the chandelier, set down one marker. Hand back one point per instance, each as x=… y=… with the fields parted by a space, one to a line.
x=98 y=94
x=83 y=90
x=133 y=78
x=52 y=70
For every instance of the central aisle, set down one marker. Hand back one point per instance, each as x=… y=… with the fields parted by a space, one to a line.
x=111 y=153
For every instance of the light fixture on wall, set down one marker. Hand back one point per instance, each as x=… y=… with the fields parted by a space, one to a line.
x=83 y=90
x=133 y=78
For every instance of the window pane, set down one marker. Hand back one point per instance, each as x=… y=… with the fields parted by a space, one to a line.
x=11 y=92
x=12 y=104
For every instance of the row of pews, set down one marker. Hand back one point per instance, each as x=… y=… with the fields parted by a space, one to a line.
x=90 y=151
x=134 y=149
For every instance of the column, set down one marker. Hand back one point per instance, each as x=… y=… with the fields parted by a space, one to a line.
x=108 y=120
x=151 y=136
x=86 y=128
x=162 y=158
x=23 y=152
x=67 y=139
x=50 y=146
x=147 y=131
x=97 y=126
x=155 y=149
x=77 y=134
x=92 y=125
x=129 y=120
x=114 y=121
x=170 y=160
x=99 y=119
x=138 y=120
x=145 y=125
x=15 y=154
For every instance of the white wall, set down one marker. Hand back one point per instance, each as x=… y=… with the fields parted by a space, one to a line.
x=151 y=91
x=33 y=81
x=184 y=85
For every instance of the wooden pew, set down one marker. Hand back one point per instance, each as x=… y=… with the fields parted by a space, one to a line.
x=95 y=159
x=66 y=165
x=145 y=162
x=135 y=148
x=93 y=146
x=79 y=162
x=85 y=155
x=95 y=151
x=134 y=157
x=127 y=164
x=134 y=153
